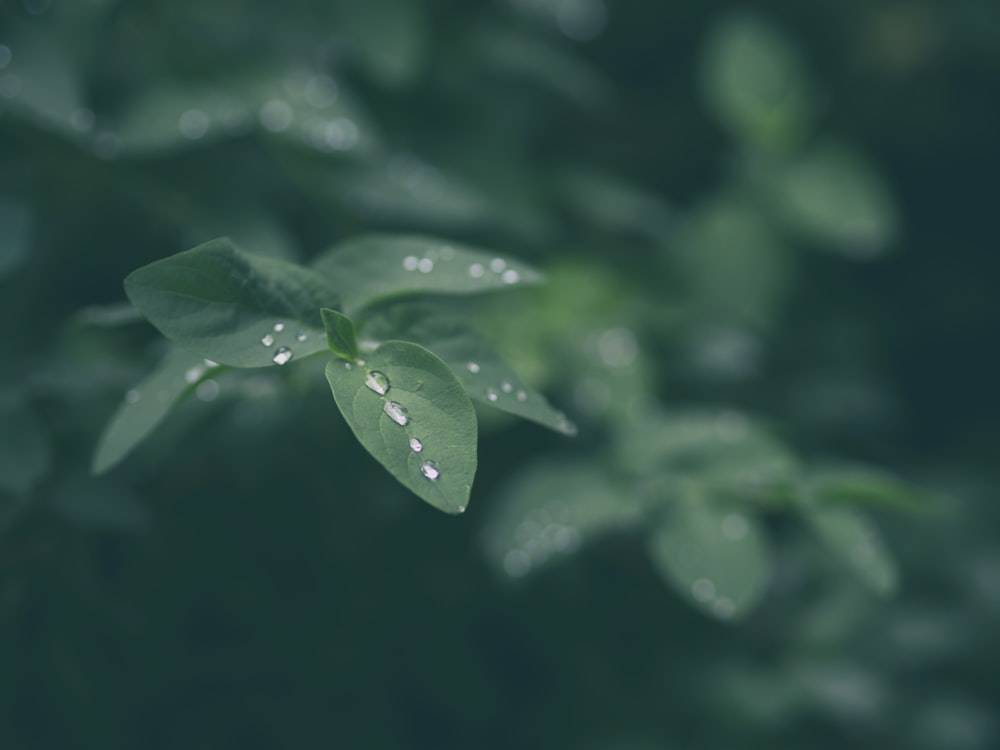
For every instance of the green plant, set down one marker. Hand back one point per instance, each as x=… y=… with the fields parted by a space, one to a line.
x=409 y=407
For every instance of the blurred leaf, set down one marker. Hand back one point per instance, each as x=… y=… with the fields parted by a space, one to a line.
x=548 y=511
x=410 y=412
x=863 y=486
x=406 y=190
x=855 y=541
x=481 y=370
x=732 y=262
x=15 y=223
x=833 y=196
x=39 y=81
x=725 y=451
x=233 y=308
x=390 y=36
x=755 y=83
x=369 y=268
x=304 y=107
x=341 y=335
x=146 y=405
x=714 y=557
x=24 y=449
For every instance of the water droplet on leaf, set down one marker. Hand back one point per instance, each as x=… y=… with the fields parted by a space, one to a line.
x=267 y=340
x=476 y=270
x=193 y=374
x=302 y=337
x=492 y=395
x=279 y=327
x=282 y=356
x=426 y=265
x=377 y=382
x=506 y=387
x=131 y=396
x=396 y=412
x=415 y=445
x=497 y=265
x=511 y=277
x=410 y=262
x=430 y=470
x=522 y=395
x=473 y=367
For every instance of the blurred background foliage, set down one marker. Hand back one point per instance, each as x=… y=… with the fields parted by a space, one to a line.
x=766 y=227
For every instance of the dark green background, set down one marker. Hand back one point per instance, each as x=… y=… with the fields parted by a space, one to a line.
x=251 y=578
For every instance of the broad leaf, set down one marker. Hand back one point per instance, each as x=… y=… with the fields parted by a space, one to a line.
x=146 y=405
x=715 y=557
x=341 y=335
x=374 y=267
x=410 y=412
x=24 y=450
x=863 y=486
x=855 y=540
x=486 y=376
x=233 y=308
x=546 y=513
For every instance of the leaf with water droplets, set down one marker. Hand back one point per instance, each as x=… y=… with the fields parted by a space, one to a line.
x=24 y=450
x=487 y=378
x=715 y=557
x=370 y=268
x=549 y=511
x=222 y=304
x=147 y=404
x=422 y=402
x=855 y=540
x=341 y=335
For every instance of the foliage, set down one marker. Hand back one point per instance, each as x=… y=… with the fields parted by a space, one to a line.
x=656 y=293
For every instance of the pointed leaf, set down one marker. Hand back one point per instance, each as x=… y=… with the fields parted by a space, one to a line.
x=146 y=405
x=373 y=267
x=855 y=540
x=715 y=557
x=410 y=412
x=548 y=512
x=233 y=308
x=340 y=334
x=487 y=378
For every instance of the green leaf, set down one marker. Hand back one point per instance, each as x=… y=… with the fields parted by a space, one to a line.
x=546 y=513
x=146 y=405
x=340 y=334
x=373 y=267
x=724 y=451
x=233 y=308
x=24 y=450
x=854 y=539
x=410 y=412
x=487 y=378
x=715 y=557
x=862 y=485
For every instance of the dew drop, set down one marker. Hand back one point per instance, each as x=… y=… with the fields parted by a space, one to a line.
x=377 y=382
x=426 y=265
x=395 y=411
x=282 y=356
x=511 y=276
x=207 y=391
x=193 y=124
x=473 y=367
x=506 y=387
x=415 y=445
x=211 y=363
x=522 y=395
x=461 y=509
x=491 y=394
x=267 y=340
x=430 y=470
x=279 y=327
x=193 y=374
x=302 y=336
x=276 y=115
x=703 y=590
x=347 y=365
x=497 y=265
x=476 y=270
x=734 y=527
x=410 y=262
x=131 y=396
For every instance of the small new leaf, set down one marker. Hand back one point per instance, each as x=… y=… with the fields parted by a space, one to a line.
x=341 y=335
